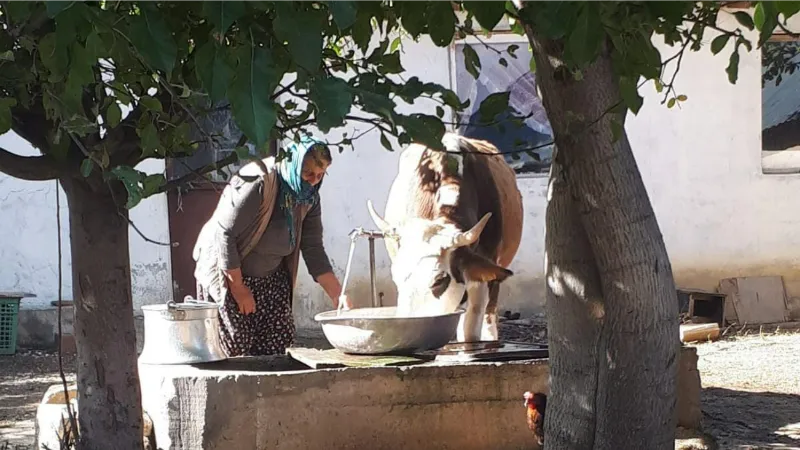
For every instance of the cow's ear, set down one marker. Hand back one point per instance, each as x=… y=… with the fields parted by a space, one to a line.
x=477 y=268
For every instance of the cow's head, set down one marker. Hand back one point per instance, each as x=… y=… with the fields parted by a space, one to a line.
x=434 y=263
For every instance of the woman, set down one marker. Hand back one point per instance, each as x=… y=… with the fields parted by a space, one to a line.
x=248 y=252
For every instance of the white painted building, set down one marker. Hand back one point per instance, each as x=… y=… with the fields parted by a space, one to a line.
x=720 y=214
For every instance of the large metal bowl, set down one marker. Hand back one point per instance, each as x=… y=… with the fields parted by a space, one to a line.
x=373 y=331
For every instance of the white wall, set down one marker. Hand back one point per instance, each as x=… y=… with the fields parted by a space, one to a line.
x=29 y=246
x=701 y=164
x=719 y=214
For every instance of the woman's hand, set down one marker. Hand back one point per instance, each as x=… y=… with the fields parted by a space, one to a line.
x=343 y=302
x=244 y=299
x=333 y=288
x=240 y=292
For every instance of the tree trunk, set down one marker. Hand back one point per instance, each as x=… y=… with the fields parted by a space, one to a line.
x=109 y=403
x=611 y=300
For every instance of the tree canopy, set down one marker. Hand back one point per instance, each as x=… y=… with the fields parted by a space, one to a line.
x=99 y=86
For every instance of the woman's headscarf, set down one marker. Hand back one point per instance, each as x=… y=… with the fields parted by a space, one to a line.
x=293 y=189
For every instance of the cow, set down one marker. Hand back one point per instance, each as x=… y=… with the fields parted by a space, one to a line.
x=452 y=226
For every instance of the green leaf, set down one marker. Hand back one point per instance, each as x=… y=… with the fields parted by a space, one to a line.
x=223 y=14
x=451 y=99
x=385 y=143
x=334 y=99
x=585 y=40
x=424 y=129
x=53 y=8
x=53 y=55
x=86 y=167
x=744 y=19
x=413 y=17
x=80 y=75
x=765 y=18
x=630 y=94
x=682 y=98
x=250 y=93
x=151 y=103
x=113 y=115
x=788 y=9
x=79 y=125
x=532 y=65
x=719 y=43
x=441 y=23
x=152 y=39
x=493 y=105
x=94 y=45
x=302 y=30
x=19 y=12
x=150 y=143
x=758 y=15
x=487 y=13
x=376 y=104
x=343 y=12
x=733 y=67
x=554 y=19
x=213 y=71
x=395 y=44
x=670 y=11
x=243 y=153
x=439 y=112
x=391 y=64
x=152 y=183
x=130 y=179
x=5 y=113
x=472 y=61
x=503 y=62
x=512 y=50
x=671 y=102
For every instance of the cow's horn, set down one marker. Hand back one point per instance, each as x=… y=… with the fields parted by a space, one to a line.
x=469 y=237
x=382 y=224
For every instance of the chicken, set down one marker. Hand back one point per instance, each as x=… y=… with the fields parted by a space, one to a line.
x=535 y=405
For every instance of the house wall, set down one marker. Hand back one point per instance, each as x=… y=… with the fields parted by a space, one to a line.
x=29 y=247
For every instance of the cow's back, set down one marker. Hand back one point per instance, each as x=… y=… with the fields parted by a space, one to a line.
x=509 y=199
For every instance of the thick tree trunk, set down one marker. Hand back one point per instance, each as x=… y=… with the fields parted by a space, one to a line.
x=109 y=396
x=611 y=302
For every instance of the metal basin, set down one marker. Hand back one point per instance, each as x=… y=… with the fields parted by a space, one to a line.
x=372 y=331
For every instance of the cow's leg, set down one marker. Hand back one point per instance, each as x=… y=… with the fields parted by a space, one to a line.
x=489 y=331
x=469 y=326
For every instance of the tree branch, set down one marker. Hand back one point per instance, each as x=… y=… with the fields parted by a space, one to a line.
x=198 y=174
x=33 y=168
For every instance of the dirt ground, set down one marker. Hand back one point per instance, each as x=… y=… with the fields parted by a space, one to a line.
x=751 y=386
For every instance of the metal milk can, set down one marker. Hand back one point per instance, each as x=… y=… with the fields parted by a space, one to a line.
x=181 y=333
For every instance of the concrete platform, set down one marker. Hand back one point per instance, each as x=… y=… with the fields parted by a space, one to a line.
x=276 y=403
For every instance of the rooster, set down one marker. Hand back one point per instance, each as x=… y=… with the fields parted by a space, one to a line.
x=535 y=405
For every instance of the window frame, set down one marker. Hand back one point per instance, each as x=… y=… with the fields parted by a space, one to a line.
x=791 y=166
x=503 y=36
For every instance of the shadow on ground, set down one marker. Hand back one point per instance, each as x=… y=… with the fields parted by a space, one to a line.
x=751 y=420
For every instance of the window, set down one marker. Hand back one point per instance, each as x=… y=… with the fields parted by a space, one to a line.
x=536 y=132
x=221 y=125
x=780 y=106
